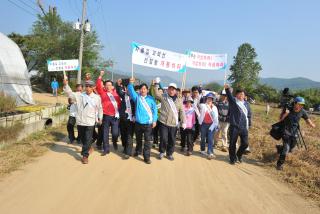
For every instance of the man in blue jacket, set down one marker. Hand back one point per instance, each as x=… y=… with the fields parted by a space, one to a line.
x=146 y=118
x=240 y=120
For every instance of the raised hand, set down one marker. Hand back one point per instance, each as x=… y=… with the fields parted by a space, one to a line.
x=119 y=82
x=132 y=80
x=65 y=80
x=226 y=86
x=101 y=73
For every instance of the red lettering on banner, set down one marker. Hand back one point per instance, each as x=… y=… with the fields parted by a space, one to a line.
x=168 y=65
x=162 y=63
x=203 y=64
x=217 y=64
x=179 y=66
x=209 y=64
x=173 y=65
x=221 y=64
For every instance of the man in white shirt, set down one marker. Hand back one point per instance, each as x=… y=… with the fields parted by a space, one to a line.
x=89 y=111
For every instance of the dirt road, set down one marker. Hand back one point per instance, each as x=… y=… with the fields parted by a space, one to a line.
x=59 y=183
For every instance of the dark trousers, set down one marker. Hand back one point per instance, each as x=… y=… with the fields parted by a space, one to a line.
x=100 y=136
x=78 y=138
x=196 y=131
x=145 y=131
x=107 y=122
x=126 y=132
x=187 y=138
x=289 y=142
x=85 y=135
x=234 y=134
x=167 y=139
x=70 y=127
x=155 y=132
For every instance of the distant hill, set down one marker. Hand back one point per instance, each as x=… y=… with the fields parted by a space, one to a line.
x=293 y=83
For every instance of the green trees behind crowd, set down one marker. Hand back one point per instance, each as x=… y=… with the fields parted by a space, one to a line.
x=51 y=38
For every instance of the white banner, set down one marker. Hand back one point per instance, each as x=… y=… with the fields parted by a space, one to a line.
x=63 y=65
x=206 y=61
x=158 y=58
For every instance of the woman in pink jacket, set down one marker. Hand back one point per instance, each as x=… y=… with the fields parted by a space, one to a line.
x=188 y=132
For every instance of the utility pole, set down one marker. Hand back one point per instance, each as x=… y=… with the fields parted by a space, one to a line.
x=84 y=5
x=40 y=4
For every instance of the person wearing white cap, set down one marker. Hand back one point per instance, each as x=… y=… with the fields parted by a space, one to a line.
x=170 y=112
x=88 y=112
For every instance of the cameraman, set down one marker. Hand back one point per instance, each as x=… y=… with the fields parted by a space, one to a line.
x=291 y=120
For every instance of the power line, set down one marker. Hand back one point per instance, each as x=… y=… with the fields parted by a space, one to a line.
x=106 y=29
x=22 y=8
x=28 y=5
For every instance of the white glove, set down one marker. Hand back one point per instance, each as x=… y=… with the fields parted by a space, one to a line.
x=184 y=126
x=157 y=80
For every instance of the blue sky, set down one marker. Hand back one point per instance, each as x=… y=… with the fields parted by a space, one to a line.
x=285 y=33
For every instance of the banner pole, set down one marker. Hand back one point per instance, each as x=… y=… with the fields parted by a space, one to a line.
x=183 y=80
x=225 y=76
x=131 y=70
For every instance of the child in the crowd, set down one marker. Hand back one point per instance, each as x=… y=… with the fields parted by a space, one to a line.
x=188 y=132
x=72 y=120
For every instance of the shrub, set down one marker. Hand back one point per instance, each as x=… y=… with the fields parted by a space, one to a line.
x=7 y=103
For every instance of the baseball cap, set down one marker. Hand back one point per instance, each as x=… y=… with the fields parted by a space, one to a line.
x=211 y=95
x=173 y=85
x=89 y=83
x=299 y=100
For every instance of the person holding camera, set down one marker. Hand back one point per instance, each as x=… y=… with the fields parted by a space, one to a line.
x=291 y=119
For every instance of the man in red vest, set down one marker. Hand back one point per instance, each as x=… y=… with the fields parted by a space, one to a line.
x=111 y=104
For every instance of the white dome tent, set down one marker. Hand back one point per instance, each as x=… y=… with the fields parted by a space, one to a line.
x=14 y=80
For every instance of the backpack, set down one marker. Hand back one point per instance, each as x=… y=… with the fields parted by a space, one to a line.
x=277 y=130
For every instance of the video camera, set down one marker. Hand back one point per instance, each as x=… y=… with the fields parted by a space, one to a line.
x=287 y=100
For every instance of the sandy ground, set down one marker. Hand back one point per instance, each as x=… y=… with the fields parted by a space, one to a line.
x=48 y=99
x=58 y=183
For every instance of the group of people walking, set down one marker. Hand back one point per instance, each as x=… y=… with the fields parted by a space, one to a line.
x=150 y=112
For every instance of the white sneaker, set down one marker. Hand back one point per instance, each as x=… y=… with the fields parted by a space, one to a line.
x=210 y=156
x=203 y=152
x=161 y=155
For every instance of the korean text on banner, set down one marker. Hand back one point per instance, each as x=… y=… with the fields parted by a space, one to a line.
x=206 y=61
x=158 y=58
x=63 y=65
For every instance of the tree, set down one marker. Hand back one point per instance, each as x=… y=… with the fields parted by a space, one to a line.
x=266 y=93
x=52 y=38
x=213 y=86
x=245 y=70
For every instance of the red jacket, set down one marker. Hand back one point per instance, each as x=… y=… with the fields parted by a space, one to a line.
x=107 y=106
